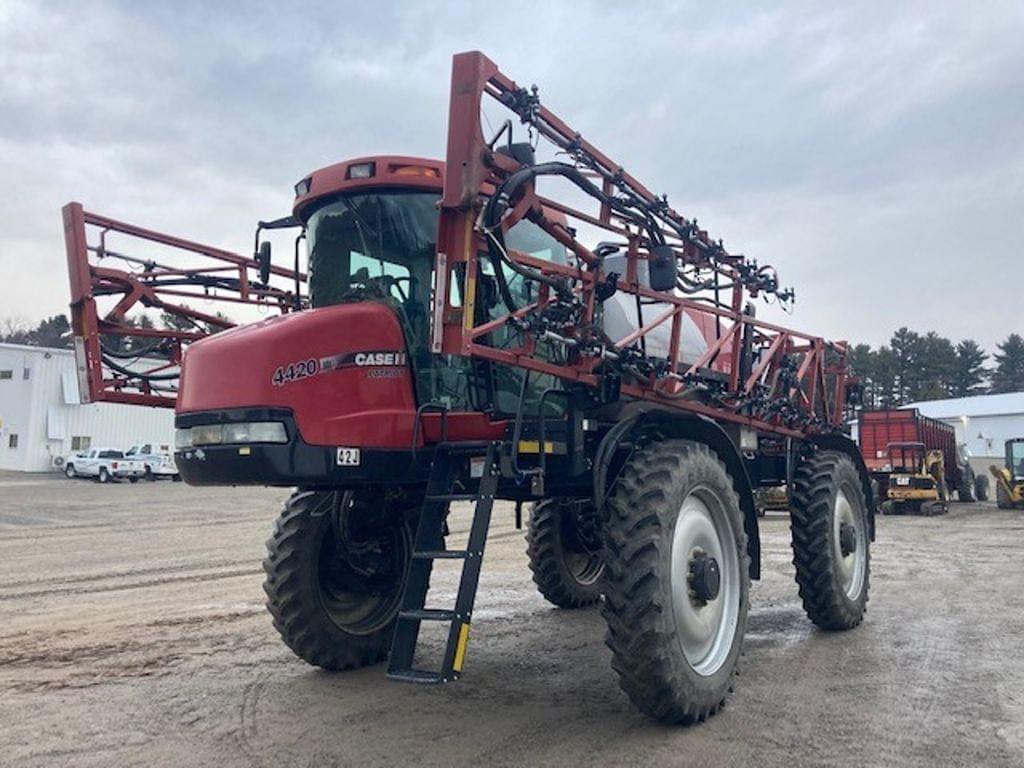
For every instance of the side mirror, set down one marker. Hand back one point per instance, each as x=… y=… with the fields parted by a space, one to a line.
x=263 y=260
x=661 y=268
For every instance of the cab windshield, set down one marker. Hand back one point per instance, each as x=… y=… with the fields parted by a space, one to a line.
x=381 y=247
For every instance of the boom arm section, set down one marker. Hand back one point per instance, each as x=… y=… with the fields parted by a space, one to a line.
x=123 y=360
x=754 y=373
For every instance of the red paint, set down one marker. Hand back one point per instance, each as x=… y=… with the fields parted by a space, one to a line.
x=877 y=429
x=235 y=369
x=347 y=406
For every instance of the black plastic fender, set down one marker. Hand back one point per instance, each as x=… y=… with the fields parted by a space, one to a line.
x=646 y=422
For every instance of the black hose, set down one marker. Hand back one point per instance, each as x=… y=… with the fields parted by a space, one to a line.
x=499 y=202
x=137 y=374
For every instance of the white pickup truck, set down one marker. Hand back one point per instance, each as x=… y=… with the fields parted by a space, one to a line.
x=157 y=460
x=105 y=464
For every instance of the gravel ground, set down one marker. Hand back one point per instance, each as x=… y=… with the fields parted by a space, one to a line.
x=133 y=633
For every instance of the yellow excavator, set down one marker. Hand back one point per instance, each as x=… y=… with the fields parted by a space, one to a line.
x=916 y=482
x=1010 y=478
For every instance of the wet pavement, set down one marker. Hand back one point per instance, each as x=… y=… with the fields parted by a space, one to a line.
x=133 y=633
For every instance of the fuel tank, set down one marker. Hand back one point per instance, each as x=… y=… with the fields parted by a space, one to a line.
x=342 y=371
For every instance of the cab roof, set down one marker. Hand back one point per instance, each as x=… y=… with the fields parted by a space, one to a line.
x=367 y=173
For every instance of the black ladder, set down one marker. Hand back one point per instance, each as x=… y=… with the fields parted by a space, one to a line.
x=428 y=547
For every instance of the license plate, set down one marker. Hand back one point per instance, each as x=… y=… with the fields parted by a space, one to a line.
x=902 y=481
x=348 y=457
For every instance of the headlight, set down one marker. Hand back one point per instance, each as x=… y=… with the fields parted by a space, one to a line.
x=182 y=439
x=255 y=432
x=243 y=432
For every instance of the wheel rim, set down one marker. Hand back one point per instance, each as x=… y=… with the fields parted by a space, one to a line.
x=357 y=603
x=581 y=556
x=584 y=567
x=705 y=628
x=847 y=526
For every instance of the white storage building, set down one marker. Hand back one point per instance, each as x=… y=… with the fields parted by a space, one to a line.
x=41 y=417
x=983 y=422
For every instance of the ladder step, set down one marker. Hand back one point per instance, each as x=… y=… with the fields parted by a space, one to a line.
x=427 y=614
x=451 y=497
x=441 y=554
x=421 y=676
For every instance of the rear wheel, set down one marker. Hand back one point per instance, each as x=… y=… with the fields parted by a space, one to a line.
x=1003 y=500
x=981 y=487
x=104 y=475
x=829 y=524
x=676 y=581
x=564 y=547
x=334 y=572
x=965 y=492
x=69 y=472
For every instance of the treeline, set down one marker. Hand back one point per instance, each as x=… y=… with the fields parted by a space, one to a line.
x=914 y=367
x=55 y=332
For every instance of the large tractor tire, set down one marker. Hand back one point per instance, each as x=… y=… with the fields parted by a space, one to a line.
x=981 y=487
x=333 y=594
x=565 y=554
x=1003 y=500
x=829 y=525
x=677 y=581
x=965 y=492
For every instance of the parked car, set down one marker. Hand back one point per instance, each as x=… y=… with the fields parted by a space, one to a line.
x=157 y=460
x=105 y=464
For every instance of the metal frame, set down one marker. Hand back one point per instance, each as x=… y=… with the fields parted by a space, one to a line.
x=796 y=383
x=754 y=373
x=223 y=277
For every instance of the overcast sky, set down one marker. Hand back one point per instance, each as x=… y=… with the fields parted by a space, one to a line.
x=873 y=153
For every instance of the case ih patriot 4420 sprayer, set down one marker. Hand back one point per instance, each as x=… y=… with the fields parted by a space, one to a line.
x=461 y=336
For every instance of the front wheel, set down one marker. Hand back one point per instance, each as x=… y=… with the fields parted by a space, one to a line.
x=564 y=547
x=829 y=525
x=334 y=572
x=676 y=581
x=69 y=472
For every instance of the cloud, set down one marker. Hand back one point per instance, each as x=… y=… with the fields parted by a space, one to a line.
x=871 y=153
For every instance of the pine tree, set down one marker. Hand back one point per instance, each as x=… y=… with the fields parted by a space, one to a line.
x=936 y=366
x=862 y=364
x=905 y=346
x=969 y=374
x=1009 y=373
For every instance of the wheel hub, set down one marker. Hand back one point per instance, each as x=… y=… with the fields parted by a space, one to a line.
x=705 y=578
x=847 y=539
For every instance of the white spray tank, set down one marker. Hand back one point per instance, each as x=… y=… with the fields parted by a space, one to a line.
x=621 y=318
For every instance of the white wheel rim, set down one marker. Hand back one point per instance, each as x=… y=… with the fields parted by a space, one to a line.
x=705 y=631
x=850 y=567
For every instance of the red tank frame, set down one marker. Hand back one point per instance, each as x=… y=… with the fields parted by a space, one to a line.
x=819 y=387
x=803 y=376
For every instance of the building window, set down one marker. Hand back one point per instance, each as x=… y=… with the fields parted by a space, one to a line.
x=12 y=441
x=80 y=443
x=26 y=374
x=4 y=375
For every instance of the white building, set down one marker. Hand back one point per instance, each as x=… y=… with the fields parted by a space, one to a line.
x=983 y=422
x=41 y=417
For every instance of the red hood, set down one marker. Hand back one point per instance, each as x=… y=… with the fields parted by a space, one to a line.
x=315 y=363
